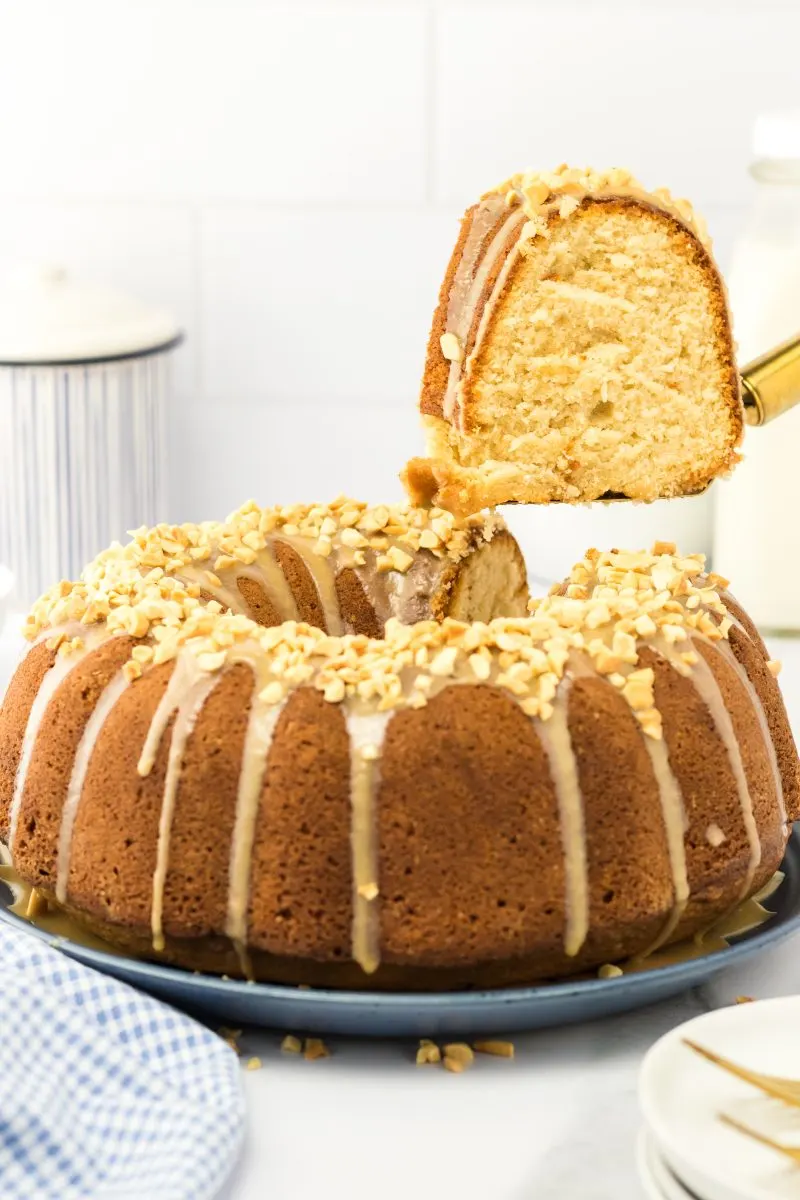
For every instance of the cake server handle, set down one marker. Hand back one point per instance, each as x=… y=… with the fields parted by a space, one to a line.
x=771 y=383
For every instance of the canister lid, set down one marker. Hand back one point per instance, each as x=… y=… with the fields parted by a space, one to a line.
x=45 y=317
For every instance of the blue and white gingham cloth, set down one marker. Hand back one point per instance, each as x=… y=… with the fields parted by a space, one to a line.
x=105 y=1093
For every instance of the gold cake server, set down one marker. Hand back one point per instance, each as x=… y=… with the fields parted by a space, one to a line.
x=771 y=383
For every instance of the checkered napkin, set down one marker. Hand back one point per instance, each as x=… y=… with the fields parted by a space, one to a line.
x=105 y=1093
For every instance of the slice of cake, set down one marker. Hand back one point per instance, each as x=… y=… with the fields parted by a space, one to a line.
x=581 y=348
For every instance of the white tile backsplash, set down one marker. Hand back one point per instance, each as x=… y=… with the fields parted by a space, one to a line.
x=321 y=102
x=329 y=305
x=287 y=178
x=284 y=451
x=668 y=90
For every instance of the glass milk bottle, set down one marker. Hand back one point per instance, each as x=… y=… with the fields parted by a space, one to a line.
x=757 y=511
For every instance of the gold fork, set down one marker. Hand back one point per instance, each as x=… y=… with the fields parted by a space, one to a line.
x=792 y=1152
x=786 y=1090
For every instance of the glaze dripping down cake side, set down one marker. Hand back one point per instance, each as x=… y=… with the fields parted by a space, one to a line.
x=581 y=348
x=444 y=805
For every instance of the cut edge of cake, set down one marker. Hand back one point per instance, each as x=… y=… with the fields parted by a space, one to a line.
x=604 y=385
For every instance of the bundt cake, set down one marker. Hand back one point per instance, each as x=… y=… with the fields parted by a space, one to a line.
x=426 y=805
x=581 y=348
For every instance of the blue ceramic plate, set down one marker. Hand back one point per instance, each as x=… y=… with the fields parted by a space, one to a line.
x=365 y=1014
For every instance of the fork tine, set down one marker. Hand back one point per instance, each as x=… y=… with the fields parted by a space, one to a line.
x=762 y=1082
x=787 y=1151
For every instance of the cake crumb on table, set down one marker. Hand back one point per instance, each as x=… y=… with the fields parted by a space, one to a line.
x=499 y=1049
x=315 y=1048
x=455 y=1065
x=458 y=1053
x=458 y=1056
x=745 y=999
x=609 y=971
x=428 y=1052
x=291 y=1044
x=253 y=1064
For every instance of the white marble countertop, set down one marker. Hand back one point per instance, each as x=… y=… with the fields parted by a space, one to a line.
x=557 y=1123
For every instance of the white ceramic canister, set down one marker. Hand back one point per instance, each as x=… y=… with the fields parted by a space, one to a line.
x=757 y=511
x=84 y=380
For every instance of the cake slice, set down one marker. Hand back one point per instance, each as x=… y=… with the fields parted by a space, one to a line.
x=581 y=349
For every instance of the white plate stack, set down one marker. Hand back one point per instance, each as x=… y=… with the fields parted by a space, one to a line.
x=685 y=1151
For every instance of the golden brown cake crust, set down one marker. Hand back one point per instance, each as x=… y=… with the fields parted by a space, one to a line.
x=114 y=844
x=36 y=844
x=460 y=486
x=472 y=894
x=301 y=901
x=14 y=713
x=258 y=602
x=357 y=612
x=505 y=791
x=196 y=887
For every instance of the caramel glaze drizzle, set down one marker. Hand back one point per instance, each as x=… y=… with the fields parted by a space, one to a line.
x=189 y=688
x=262 y=722
x=674 y=815
x=726 y=651
x=469 y=282
x=366 y=732
x=187 y=691
x=708 y=689
x=555 y=738
x=557 y=744
x=52 y=680
x=91 y=732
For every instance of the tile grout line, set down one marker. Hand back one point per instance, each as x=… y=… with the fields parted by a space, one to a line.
x=431 y=98
x=201 y=203
x=198 y=290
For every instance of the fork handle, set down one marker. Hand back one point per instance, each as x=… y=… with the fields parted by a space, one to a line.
x=771 y=383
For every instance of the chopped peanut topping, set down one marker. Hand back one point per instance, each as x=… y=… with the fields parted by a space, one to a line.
x=451 y=347
x=564 y=188
x=715 y=836
x=611 y=603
